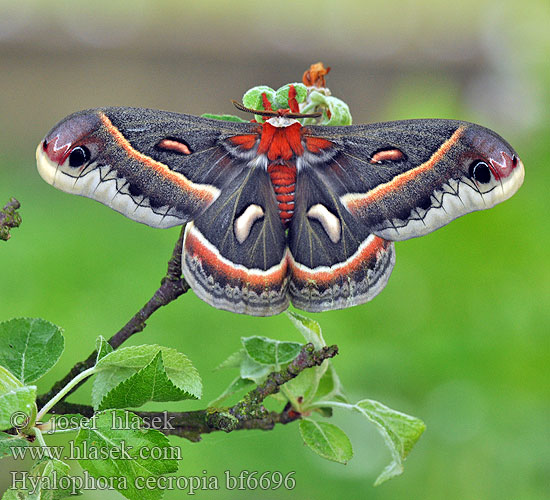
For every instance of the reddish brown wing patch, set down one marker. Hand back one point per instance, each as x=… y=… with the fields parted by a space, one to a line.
x=244 y=141
x=316 y=144
x=173 y=145
x=387 y=155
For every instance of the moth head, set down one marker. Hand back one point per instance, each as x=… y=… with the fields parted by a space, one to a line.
x=67 y=149
x=491 y=166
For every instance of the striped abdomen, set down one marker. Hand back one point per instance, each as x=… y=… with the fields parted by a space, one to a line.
x=283 y=179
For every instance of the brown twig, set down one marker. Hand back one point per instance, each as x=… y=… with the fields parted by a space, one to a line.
x=9 y=218
x=248 y=413
x=171 y=287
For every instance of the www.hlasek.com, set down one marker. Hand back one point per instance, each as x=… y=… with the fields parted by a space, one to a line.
x=244 y=480
x=85 y=451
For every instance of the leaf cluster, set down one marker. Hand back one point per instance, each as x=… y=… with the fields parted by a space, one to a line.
x=127 y=378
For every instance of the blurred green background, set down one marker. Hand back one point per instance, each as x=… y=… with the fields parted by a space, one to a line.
x=458 y=338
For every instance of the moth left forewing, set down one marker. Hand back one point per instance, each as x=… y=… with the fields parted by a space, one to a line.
x=406 y=179
x=155 y=167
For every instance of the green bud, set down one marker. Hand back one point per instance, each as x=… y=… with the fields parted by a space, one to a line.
x=339 y=110
x=281 y=96
x=253 y=98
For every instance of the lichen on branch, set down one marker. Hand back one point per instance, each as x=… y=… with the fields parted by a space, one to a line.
x=9 y=218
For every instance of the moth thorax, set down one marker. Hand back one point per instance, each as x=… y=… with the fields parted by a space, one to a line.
x=283 y=179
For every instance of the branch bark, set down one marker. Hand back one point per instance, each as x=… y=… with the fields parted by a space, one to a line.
x=9 y=218
x=171 y=287
x=248 y=413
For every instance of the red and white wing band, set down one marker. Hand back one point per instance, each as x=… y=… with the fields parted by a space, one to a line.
x=233 y=287
x=356 y=280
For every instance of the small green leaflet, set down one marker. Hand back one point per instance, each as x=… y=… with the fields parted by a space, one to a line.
x=102 y=347
x=310 y=329
x=117 y=436
x=252 y=370
x=248 y=368
x=151 y=383
x=7 y=441
x=400 y=432
x=238 y=385
x=259 y=357
x=270 y=352
x=317 y=382
x=48 y=486
x=17 y=402
x=118 y=366
x=327 y=440
x=330 y=386
x=29 y=347
x=233 y=360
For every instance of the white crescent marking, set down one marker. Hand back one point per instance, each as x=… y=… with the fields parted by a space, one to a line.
x=243 y=224
x=328 y=220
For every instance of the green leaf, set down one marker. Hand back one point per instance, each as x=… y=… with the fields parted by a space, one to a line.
x=151 y=383
x=233 y=361
x=102 y=347
x=121 y=453
x=17 y=402
x=310 y=329
x=303 y=388
x=281 y=96
x=43 y=482
x=327 y=440
x=29 y=347
x=50 y=487
x=315 y=384
x=239 y=384
x=330 y=386
x=307 y=383
x=225 y=118
x=7 y=441
x=255 y=371
x=270 y=352
x=400 y=432
x=15 y=495
x=125 y=362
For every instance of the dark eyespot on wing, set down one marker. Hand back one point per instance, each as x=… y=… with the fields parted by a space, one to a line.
x=480 y=171
x=79 y=156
